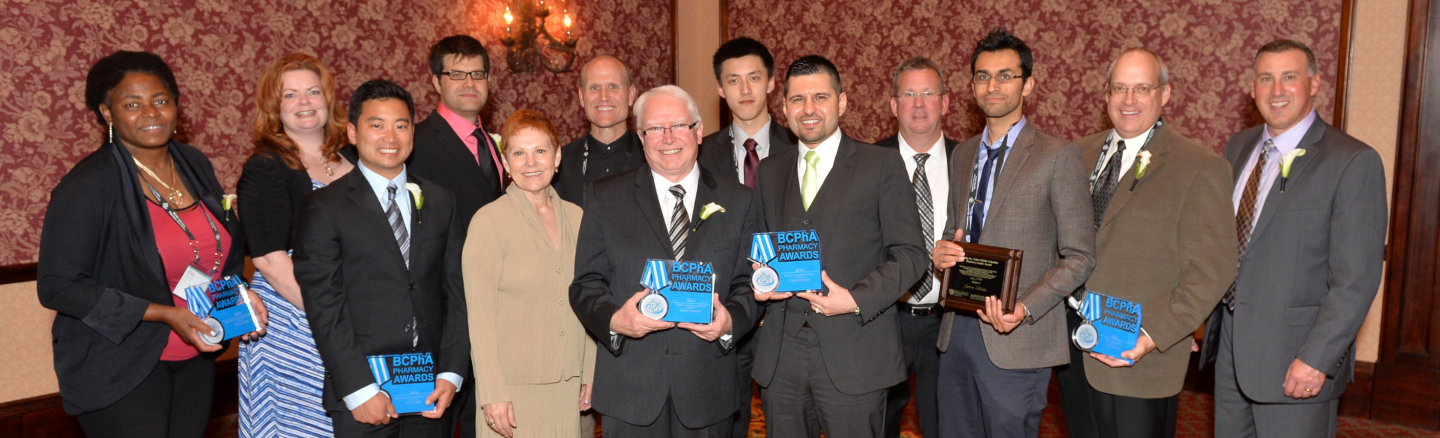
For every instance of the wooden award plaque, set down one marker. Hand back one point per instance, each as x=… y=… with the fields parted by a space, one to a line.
x=988 y=271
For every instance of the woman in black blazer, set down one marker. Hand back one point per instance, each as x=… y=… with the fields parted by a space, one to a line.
x=128 y=354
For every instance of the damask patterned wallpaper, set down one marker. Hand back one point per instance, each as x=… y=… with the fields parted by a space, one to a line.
x=217 y=49
x=1208 y=45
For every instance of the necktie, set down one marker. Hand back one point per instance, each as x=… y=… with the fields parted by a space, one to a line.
x=482 y=138
x=927 y=218
x=679 y=222
x=810 y=184
x=982 y=192
x=1245 y=215
x=752 y=160
x=1100 y=197
x=397 y=224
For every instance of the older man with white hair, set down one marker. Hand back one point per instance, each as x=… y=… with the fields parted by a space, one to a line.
x=663 y=379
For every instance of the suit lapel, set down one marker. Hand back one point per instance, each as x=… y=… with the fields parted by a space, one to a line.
x=962 y=166
x=454 y=147
x=1159 y=147
x=831 y=197
x=1310 y=142
x=417 y=223
x=1247 y=148
x=364 y=198
x=1009 y=171
x=725 y=155
x=649 y=206
x=704 y=194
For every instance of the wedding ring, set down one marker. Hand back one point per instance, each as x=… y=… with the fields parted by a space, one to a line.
x=816 y=309
x=1309 y=390
x=489 y=423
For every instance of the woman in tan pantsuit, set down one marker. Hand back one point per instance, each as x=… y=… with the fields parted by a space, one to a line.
x=533 y=361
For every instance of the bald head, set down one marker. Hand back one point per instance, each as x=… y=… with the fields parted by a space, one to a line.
x=606 y=93
x=1148 y=59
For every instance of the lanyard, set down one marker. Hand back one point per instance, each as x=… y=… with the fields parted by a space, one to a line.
x=1100 y=162
x=975 y=177
x=165 y=204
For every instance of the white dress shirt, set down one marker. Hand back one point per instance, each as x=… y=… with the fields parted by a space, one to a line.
x=937 y=172
x=690 y=183
x=762 y=145
x=402 y=200
x=1132 y=150
x=826 y=150
x=1284 y=143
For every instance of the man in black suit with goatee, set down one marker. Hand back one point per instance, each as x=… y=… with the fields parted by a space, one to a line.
x=840 y=349
x=662 y=379
x=377 y=258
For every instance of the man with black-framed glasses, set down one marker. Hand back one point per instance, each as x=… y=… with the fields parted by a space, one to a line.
x=453 y=149
x=1014 y=187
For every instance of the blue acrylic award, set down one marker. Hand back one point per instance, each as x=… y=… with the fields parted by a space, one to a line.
x=789 y=261
x=223 y=305
x=407 y=378
x=680 y=291
x=1111 y=326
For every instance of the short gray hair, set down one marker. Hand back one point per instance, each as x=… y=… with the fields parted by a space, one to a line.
x=669 y=90
x=916 y=63
x=1164 y=71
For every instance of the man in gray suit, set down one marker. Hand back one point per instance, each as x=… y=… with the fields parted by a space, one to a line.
x=1310 y=215
x=1030 y=193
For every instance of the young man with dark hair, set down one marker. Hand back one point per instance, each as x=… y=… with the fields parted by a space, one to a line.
x=370 y=288
x=452 y=146
x=836 y=350
x=1015 y=187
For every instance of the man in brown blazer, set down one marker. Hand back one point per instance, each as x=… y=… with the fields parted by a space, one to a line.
x=1163 y=240
x=1030 y=194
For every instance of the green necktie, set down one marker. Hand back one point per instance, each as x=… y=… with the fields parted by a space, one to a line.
x=809 y=184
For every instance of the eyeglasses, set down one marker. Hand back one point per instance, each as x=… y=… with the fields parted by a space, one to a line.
x=1140 y=90
x=1004 y=78
x=676 y=129
x=457 y=75
x=911 y=95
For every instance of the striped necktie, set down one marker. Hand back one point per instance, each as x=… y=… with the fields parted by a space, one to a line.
x=927 y=218
x=397 y=224
x=1245 y=216
x=679 y=222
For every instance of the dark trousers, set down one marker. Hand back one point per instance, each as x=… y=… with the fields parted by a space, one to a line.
x=1075 y=390
x=982 y=400
x=1238 y=416
x=745 y=356
x=172 y=402
x=462 y=409
x=408 y=426
x=918 y=335
x=802 y=383
x=1118 y=416
x=667 y=425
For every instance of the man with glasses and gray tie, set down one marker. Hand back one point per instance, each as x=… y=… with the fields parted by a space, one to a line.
x=378 y=263
x=920 y=100
x=1310 y=218
x=1015 y=187
x=656 y=378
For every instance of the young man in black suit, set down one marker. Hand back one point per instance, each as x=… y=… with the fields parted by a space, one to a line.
x=745 y=72
x=377 y=257
x=452 y=146
x=660 y=379
x=606 y=92
x=839 y=349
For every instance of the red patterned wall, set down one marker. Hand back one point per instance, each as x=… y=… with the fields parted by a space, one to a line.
x=1208 y=45
x=217 y=49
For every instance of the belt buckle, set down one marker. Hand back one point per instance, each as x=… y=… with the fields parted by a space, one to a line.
x=922 y=310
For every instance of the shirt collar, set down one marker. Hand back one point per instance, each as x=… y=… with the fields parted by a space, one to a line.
x=1009 y=135
x=826 y=149
x=1290 y=139
x=379 y=183
x=937 y=152
x=690 y=182
x=1131 y=141
x=463 y=128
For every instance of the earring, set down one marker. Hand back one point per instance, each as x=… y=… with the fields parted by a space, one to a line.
x=112 y=132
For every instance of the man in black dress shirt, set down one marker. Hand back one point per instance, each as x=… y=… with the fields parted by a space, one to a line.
x=606 y=93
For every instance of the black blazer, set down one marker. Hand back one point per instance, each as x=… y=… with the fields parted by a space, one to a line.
x=622 y=228
x=893 y=142
x=625 y=154
x=441 y=157
x=270 y=193
x=717 y=150
x=870 y=243
x=360 y=298
x=100 y=269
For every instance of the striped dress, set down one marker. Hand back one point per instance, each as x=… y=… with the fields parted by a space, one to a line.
x=281 y=373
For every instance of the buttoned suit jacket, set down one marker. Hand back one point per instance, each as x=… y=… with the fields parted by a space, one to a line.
x=1040 y=205
x=717 y=150
x=360 y=298
x=870 y=243
x=440 y=156
x=623 y=227
x=1169 y=246
x=1312 y=268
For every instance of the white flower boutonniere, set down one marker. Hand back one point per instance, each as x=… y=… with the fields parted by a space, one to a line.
x=227 y=203
x=417 y=198
x=1285 y=163
x=1144 y=164
x=705 y=213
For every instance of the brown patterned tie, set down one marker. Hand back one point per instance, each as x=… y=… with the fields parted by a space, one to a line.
x=1245 y=216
